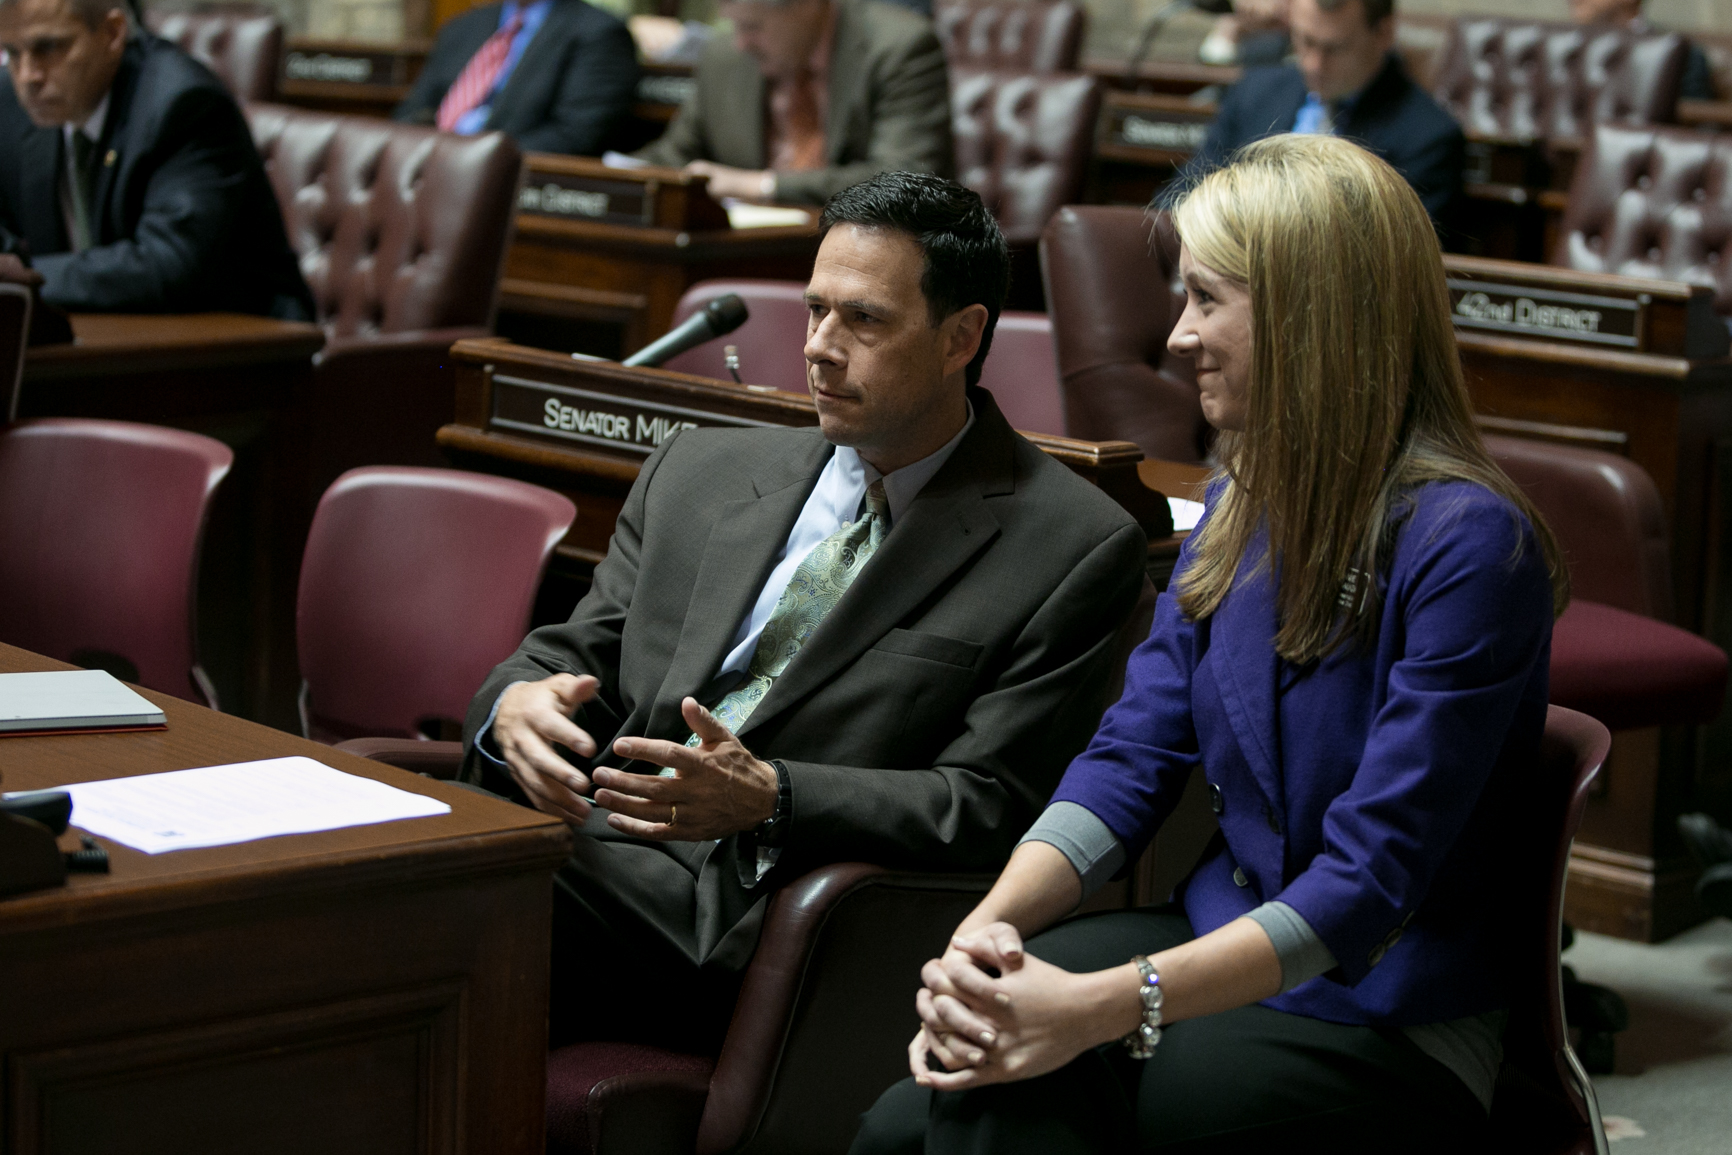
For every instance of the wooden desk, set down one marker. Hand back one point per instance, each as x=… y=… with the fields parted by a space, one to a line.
x=380 y=988
x=356 y=78
x=601 y=255
x=242 y=380
x=585 y=427
x=1650 y=380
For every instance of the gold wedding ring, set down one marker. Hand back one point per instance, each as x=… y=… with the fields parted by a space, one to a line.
x=673 y=814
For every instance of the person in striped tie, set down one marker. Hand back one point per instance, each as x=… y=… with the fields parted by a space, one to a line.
x=555 y=75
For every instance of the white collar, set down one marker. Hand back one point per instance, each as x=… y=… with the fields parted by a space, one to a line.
x=93 y=124
x=902 y=486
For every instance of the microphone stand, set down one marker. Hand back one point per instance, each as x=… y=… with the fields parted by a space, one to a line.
x=1158 y=21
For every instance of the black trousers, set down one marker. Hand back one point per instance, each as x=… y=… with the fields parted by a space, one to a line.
x=1251 y=1080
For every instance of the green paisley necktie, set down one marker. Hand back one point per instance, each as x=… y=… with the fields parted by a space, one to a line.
x=817 y=585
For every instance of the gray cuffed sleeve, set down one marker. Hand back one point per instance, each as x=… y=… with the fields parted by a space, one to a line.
x=1303 y=955
x=1094 y=851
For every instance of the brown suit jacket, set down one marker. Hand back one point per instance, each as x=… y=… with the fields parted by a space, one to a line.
x=889 y=106
x=928 y=719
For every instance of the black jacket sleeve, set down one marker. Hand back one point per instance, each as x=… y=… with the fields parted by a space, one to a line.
x=593 y=92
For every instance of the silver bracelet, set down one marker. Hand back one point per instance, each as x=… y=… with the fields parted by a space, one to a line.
x=1141 y=1042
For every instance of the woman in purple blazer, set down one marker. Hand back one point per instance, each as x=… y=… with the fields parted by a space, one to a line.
x=1353 y=654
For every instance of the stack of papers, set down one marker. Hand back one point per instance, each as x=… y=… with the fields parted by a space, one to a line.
x=1186 y=514
x=219 y=805
x=72 y=700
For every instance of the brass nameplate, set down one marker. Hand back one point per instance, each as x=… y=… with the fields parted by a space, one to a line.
x=587 y=198
x=1552 y=314
x=675 y=90
x=566 y=413
x=1167 y=131
x=331 y=68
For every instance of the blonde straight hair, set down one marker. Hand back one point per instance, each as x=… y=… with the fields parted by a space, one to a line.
x=1355 y=395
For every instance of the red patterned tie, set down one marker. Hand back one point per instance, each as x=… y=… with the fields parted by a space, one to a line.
x=478 y=76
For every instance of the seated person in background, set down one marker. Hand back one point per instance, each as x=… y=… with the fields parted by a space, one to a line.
x=1253 y=33
x=1354 y=651
x=554 y=75
x=1348 y=82
x=811 y=96
x=880 y=639
x=1698 y=81
x=128 y=175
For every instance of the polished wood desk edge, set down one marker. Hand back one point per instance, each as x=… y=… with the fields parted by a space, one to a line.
x=408 y=46
x=1683 y=372
x=561 y=164
x=535 y=454
x=153 y=344
x=1552 y=276
x=687 y=245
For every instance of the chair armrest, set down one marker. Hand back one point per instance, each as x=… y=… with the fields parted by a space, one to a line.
x=839 y=958
x=409 y=341
x=434 y=759
x=646 y=1111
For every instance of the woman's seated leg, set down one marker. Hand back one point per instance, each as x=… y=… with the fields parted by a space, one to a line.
x=1252 y=1079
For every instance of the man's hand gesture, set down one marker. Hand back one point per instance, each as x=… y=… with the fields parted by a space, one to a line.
x=717 y=788
x=532 y=717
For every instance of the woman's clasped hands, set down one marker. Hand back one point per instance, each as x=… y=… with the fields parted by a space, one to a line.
x=992 y=1013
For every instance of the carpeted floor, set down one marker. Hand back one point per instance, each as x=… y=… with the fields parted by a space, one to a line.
x=1672 y=1093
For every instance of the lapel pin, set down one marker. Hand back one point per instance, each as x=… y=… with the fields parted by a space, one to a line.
x=108 y=161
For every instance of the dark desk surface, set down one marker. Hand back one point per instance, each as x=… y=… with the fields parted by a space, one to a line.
x=107 y=344
x=479 y=830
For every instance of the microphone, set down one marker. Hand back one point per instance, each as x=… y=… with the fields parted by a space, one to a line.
x=1159 y=21
x=721 y=316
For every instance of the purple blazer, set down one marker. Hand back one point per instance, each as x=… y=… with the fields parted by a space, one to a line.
x=1373 y=792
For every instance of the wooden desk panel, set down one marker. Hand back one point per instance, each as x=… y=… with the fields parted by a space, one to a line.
x=244 y=381
x=379 y=988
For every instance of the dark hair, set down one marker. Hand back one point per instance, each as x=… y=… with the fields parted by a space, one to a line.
x=967 y=261
x=1376 y=11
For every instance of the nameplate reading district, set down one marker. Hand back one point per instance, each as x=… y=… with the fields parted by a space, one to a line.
x=587 y=199
x=1551 y=314
x=1166 y=132
x=329 y=68
x=606 y=420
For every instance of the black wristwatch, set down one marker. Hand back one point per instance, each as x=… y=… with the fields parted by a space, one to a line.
x=773 y=831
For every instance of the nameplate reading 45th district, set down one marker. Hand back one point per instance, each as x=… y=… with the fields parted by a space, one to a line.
x=604 y=420
x=1549 y=314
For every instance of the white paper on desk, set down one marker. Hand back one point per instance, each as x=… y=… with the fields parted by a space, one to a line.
x=1186 y=514
x=746 y=215
x=614 y=159
x=219 y=805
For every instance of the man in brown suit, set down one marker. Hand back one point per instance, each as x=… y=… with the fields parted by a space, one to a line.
x=811 y=96
x=881 y=639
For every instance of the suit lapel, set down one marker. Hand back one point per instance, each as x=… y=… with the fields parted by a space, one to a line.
x=848 y=59
x=945 y=526
x=1242 y=641
x=38 y=205
x=732 y=573
x=114 y=147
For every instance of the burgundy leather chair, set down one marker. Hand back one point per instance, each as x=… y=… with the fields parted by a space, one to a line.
x=1515 y=79
x=1614 y=655
x=241 y=43
x=1020 y=35
x=414 y=585
x=1653 y=202
x=100 y=527
x=1544 y=1103
x=401 y=231
x=1019 y=370
x=1111 y=288
x=15 y=304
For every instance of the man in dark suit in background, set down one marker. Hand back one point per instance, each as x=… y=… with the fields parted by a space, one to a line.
x=128 y=175
x=810 y=96
x=1348 y=81
x=554 y=75
x=881 y=639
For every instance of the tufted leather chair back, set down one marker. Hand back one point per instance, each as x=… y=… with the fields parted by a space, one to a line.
x=1022 y=142
x=1524 y=80
x=241 y=43
x=398 y=227
x=1653 y=202
x=1110 y=280
x=1028 y=36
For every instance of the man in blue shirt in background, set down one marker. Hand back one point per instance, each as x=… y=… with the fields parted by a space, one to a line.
x=555 y=75
x=1347 y=80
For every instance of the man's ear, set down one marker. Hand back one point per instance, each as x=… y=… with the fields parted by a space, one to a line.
x=115 y=27
x=1384 y=31
x=966 y=327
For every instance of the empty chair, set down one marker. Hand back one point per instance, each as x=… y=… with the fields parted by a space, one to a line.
x=1653 y=202
x=771 y=343
x=241 y=43
x=100 y=526
x=416 y=583
x=401 y=234
x=1515 y=79
x=1022 y=143
x=1024 y=35
x=15 y=303
x=1021 y=373
x=1111 y=290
